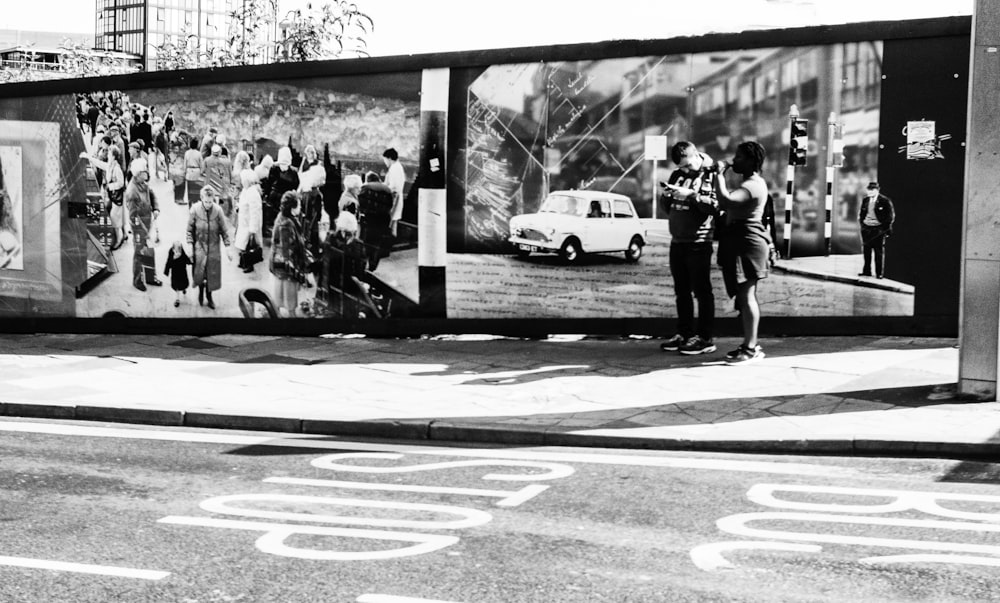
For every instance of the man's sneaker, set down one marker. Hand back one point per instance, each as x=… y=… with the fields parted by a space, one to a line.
x=673 y=344
x=744 y=354
x=697 y=345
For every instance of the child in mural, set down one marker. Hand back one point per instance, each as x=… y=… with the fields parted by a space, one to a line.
x=176 y=269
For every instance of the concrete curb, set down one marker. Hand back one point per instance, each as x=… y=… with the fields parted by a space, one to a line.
x=452 y=432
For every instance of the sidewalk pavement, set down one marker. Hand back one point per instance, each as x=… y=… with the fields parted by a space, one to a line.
x=827 y=395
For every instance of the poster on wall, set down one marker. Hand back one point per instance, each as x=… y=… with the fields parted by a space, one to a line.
x=560 y=218
x=268 y=199
x=30 y=252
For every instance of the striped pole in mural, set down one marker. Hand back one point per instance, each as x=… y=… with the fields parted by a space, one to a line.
x=431 y=199
x=828 y=224
x=789 y=199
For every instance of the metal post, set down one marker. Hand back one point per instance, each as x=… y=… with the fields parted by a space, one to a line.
x=793 y=114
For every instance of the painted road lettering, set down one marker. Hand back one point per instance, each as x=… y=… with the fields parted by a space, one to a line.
x=869 y=509
x=276 y=534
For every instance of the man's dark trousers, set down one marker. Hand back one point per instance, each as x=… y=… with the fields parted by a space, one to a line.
x=691 y=267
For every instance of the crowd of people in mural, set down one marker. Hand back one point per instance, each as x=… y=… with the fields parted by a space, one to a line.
x=310 y=224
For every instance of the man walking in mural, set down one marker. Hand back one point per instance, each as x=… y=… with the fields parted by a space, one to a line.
x=142 y=208
x=395 y=179
x=689 y=197
x=876 y=218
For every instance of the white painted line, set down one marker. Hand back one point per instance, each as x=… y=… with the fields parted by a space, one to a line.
x=83 y=568
x=708 y=557
x=223 y=505
x=509 y=498
x=375 y=598
x=920 y=558
x=306 y=441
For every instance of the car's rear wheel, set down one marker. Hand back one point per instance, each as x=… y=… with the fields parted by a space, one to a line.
x=634 y=251
x=570 y=252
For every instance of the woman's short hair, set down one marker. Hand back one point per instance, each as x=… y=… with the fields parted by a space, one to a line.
x=194 y=143
x=209 y=191
x=352 y=181
x=755 y=151
x=289 y=201
x=346 y=222
x=248 y=177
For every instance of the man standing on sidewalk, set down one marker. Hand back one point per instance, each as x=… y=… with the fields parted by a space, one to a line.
x=876 y=218
x=689 y=196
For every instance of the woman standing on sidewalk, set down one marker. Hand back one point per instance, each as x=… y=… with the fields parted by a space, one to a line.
x=206 y=225
x=744 y=246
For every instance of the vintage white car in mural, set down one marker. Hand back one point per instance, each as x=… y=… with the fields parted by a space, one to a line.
x=574 y=223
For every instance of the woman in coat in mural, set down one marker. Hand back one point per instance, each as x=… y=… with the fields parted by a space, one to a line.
x=206 y=226
x=248 y=215
x=288 y=256
x=194 y=168
x=142 y=210
x=281 y=179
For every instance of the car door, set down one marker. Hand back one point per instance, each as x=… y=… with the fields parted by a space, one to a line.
x=600 y=227
x=625 y=224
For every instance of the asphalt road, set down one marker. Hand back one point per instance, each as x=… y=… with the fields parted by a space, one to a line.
x=95 y=512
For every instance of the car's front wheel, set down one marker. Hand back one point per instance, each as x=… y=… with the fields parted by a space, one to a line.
x=570 y=252
x=634 y=251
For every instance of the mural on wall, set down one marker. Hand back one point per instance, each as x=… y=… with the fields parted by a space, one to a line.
x=547 y=128
x=200 y=225
x=31 y=266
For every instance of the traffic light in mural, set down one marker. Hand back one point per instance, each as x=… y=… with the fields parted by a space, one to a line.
x=797 y=143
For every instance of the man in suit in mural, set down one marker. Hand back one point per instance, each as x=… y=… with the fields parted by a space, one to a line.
x=876 y=218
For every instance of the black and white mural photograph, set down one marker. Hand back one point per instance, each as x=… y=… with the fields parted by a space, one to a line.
x=565 y=214
x=257 y=199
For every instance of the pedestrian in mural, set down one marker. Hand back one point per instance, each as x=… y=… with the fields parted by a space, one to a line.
x=177 y=269
x=375 y=202
x=206 y=227
x=249 y=231
x=312 y=213
x=219 y=175
x=690 y=202
x=745 y=246
x=281 y=179
x=395 y=179
x=309 y=158
x=876 y=218
x=109 y=174
x=194 y=169
x=349 y=198
x=142 y=210
x=288 y=256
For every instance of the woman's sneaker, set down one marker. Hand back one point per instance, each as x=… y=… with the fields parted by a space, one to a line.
x=744 y=354
x=673 y=344
x=697 y=345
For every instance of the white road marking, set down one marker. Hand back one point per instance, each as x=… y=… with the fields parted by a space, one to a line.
x=470 y=517
x=899 y=500
x=508 y=498
x=709 y=557
x=376 y=598
x=306 y=441
x=83 y=568
x=737 y=524
x=275 y=534
x=924 y=558
x=554 y=471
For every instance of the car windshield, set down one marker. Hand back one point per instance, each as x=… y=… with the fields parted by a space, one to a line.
x=564 y=204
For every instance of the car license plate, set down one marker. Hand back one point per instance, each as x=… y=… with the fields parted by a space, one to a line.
x=524 y=247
